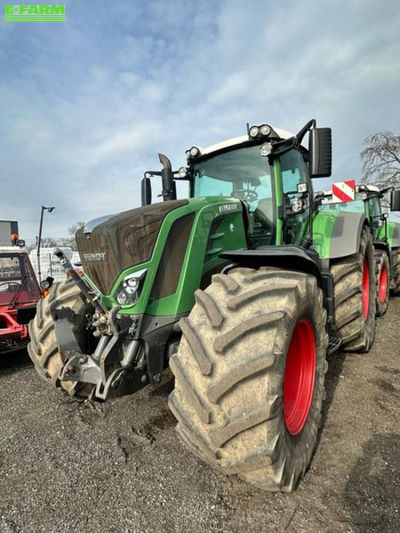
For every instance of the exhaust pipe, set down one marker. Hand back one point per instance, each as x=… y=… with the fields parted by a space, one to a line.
x=168 y=183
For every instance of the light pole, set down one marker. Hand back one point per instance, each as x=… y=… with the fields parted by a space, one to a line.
x=49 y=209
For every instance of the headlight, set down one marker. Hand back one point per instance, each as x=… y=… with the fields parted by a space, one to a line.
x=194 y=151
x=182 y=172
x=302 y=187
x=259 y=131
x=254 y=131
x=297 y=206
x=266 y=149
x=132 y=283
x=129 y=289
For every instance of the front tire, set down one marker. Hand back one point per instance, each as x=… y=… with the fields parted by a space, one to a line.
x=249 y=375
x=43 y=348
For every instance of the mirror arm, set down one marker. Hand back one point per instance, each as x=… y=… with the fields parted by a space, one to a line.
x=310 y=124
x=281 y=147
x=151 y=173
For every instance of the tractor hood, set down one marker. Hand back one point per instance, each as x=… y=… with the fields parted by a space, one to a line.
x=117 y=242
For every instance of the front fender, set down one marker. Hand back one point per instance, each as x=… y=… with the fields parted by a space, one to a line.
x=289 y=257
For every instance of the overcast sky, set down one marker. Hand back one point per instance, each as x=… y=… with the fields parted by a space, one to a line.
x=87 y=104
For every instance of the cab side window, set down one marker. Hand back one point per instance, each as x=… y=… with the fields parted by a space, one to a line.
x=375 y=207
x=294 y=170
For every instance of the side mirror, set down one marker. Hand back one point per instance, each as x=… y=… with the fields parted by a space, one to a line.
x=320 y=147
x=146 y=191
x=395 y=200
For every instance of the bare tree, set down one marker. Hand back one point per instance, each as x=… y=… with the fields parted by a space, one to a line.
x=381 y=159
x=71 y=232
x=48 y=242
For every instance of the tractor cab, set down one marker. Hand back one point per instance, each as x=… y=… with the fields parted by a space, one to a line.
x=19 y=294
x=268 y=170
x=274 y=191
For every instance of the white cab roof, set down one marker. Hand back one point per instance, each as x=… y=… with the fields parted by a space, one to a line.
x=373 y=188
x=234 y=141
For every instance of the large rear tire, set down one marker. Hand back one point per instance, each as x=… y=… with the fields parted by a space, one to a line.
x=249 y=375
x=355 y=296
x=43 y=348
x=396 y=271
x=382 y=269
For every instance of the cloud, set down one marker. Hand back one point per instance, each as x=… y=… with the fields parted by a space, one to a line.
x=86 y=105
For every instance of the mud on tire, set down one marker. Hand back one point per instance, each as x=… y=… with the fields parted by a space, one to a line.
x=396 y=272
x=229 y=375
x=382 y=270
x=354 y=319
x=43 y=348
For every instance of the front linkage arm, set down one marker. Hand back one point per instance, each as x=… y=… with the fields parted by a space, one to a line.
x=114 y=367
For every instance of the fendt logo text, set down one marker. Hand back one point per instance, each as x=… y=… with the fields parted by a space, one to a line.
x=34 y=13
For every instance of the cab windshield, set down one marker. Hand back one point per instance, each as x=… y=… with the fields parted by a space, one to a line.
x=17 y=282
x=241 y=173
x=244 y=174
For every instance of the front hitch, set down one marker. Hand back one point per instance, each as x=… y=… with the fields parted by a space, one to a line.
x=110 y=375
x=114 y=367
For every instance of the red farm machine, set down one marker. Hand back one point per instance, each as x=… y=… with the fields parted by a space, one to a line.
x=19 y=289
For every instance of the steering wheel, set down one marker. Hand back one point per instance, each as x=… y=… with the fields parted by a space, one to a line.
x=248 y=195
x=12 y=285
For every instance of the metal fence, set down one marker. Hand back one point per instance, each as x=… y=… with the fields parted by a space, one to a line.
x=50 y=266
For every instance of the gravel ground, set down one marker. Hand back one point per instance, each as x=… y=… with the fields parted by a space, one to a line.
x=69 y=466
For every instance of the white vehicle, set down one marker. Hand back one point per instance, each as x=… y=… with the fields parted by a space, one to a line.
x=49 y=264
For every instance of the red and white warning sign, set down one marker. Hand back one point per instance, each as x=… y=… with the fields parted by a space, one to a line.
x=344 y=191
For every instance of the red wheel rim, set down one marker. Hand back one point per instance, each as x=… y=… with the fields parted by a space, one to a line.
x=365 y=289
x=298 y=383
x=383 y=284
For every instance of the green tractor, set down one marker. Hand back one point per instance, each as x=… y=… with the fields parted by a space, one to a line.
x=241 y=289
x=386 y=235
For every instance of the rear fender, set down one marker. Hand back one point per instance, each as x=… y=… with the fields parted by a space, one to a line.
x=346 y=234
x=381 y=245
x=393 y=234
